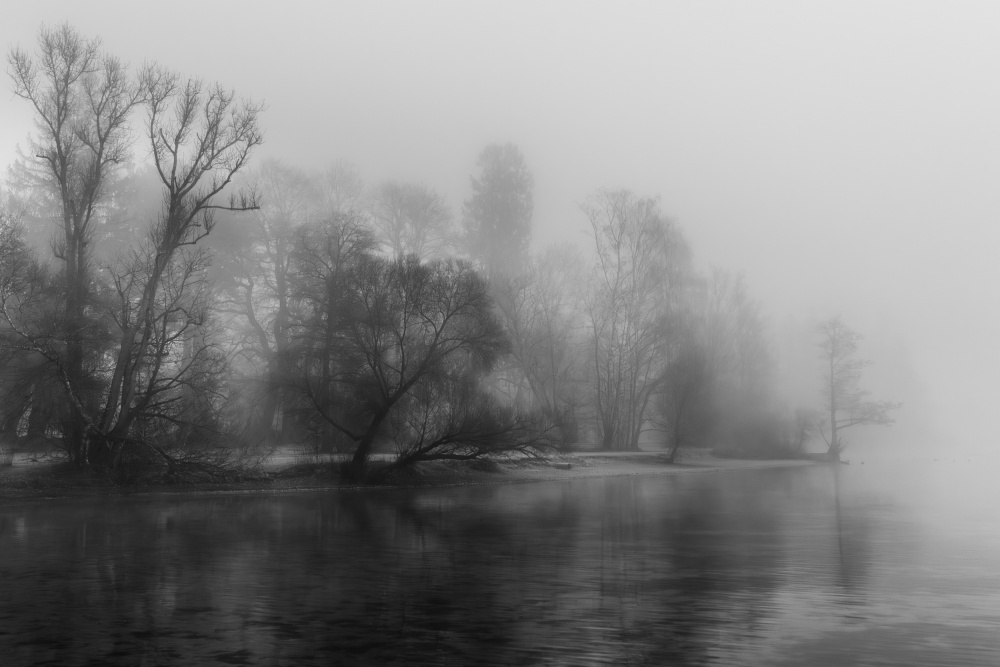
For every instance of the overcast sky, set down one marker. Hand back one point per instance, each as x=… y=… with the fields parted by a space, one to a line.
x=845 y=156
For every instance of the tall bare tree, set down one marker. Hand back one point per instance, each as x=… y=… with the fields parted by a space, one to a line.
x=201 y=136
x=737 y=365
x=642 y=263
x=541 y=312
x=82 y=99
x=733 y=333
x=254 y=267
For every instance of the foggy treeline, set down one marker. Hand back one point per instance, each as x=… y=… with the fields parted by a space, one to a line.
x=167 y=299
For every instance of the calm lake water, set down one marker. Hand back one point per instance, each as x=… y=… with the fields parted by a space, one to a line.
x=860 y=565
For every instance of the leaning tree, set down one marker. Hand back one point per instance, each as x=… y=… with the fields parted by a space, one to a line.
x=405 y=335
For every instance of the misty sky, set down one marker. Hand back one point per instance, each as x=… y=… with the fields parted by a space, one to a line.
x=844 y=155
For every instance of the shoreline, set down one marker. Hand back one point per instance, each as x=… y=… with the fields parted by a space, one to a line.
x=53 y=480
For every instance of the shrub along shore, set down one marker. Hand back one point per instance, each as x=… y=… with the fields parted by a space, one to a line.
x=48 y=477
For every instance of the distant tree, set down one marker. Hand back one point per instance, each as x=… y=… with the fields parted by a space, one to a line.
x=134 y=200
x=846 y=403
x=410 y=218
x=253 y=269
x=341 y=191
x=642 y=268
x=683 y=409
x=541 y=311
x=28 y=384
x=497 y=217
x=733 y=336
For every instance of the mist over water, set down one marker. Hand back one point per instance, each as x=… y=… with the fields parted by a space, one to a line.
x=819 y=565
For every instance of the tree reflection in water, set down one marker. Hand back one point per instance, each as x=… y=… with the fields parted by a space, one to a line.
x=633 y=570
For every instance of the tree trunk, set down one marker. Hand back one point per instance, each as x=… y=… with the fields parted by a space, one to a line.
x=834 y=450
x=359 y=462
x=40 y=415
x=270 y=403
x=74 y=428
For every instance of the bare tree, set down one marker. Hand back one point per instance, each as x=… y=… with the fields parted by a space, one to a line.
x=413 y=320
x=541 y=313
x=82 y=100
x=684 y=403
x=177 y=384
x=734 y=334
x=641 y=268
x=341 y=191
x=412 y=219
x=733 y=338
x=254 y=268
x=201 y=137
x=327 y=255
x=847 y=404
x=408 y=323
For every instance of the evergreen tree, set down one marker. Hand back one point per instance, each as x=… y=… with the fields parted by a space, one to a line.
x=497 y=218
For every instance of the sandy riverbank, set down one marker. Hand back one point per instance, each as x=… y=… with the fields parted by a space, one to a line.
x=51 y=478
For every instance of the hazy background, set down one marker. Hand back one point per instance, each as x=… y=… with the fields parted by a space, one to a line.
x=843 y=155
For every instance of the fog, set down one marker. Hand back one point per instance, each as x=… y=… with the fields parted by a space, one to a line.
x=843 y=156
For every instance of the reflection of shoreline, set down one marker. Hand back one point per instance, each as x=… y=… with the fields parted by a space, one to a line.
x=638 y=569
x=49 y=481
x=642 y=463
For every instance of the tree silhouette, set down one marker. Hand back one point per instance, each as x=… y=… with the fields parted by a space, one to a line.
x=847 y=404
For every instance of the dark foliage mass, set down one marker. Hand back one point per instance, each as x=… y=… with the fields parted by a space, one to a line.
x=192 y=311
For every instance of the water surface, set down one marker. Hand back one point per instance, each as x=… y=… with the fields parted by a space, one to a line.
x=801 y=566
